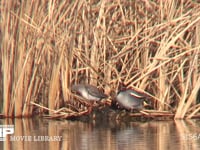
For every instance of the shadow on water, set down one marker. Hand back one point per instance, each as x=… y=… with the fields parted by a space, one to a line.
x=36 y=133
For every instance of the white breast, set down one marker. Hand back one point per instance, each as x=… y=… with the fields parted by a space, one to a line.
x=87 y=96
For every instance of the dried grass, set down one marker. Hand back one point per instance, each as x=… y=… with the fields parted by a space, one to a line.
x=150 y=45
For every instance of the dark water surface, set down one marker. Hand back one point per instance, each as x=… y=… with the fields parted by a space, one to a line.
x=111 y=135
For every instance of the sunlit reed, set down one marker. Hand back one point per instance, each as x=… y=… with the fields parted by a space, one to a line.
x=153 y=46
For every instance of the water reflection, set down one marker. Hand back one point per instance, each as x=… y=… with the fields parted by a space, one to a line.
x=106 y=135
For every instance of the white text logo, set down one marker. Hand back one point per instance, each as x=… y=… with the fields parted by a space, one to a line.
x=5 y=130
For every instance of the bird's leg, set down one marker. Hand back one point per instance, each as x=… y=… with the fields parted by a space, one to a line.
x=90 y=107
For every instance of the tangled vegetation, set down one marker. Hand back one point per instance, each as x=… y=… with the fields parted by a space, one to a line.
x=46 y=46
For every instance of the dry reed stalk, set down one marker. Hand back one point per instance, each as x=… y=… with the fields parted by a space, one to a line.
x=54 y=89
x=191 y=98
x=96 y=50
x=31 y=90
x=7 y=56
x=6 y=83
x=21 y=69
x=65 y=77
x=183 y=104
x=20 y=81
x=66 y=69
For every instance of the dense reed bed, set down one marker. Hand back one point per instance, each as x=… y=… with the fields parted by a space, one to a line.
x=152 y=46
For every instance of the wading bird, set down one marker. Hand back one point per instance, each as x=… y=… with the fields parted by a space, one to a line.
x=89 y=92
x=129 y=98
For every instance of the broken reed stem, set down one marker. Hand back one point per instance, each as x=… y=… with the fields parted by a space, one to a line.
x=52 y=110
x=60 y=113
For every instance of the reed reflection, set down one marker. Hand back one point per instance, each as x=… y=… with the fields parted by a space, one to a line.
x=102 y=135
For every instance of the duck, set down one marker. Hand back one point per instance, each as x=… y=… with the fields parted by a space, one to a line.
x=89 y=92
x=130 y=99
